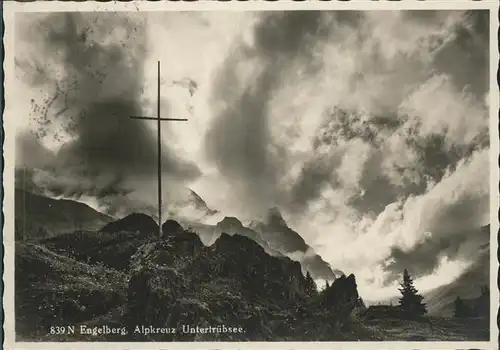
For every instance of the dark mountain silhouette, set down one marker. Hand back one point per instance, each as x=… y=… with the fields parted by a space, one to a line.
x=140 y=223
x=276 y=231
x=126 y=277
x=259 y=232
x=319 y=268
x=112 y=246
x=468 y=285
x=233 y=226
x=61 y=216
x=477 y=307
x=440 y=301
x=171 y=228
x=173 y=281
x=38 y=216
x=233 y=282
x=280 y=237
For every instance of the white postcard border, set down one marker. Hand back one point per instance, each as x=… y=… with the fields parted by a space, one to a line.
x=9 y=124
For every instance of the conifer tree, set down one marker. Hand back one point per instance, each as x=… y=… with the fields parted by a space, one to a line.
x=411 y=301
x=310 y=285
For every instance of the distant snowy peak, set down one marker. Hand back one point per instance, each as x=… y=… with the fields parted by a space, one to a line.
x=184 y=203
x=200 y=203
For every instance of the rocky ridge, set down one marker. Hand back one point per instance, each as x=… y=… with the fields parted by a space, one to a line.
x=175 y=280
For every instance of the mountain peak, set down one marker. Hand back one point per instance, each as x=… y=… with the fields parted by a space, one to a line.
x=229 y=223
x=274 y=230
x=135 y=222
x=184 y=202
x=171 y=228
x=196 y=197
x=274 y=217
x=39 y=216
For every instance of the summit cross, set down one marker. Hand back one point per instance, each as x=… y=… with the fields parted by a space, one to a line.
x=159 y=119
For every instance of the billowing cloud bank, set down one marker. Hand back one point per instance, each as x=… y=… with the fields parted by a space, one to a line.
x=90 y=69
x=368 y=130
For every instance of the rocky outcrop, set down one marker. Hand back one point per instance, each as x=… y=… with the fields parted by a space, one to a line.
x=232 y=226
x=177 y=281
x=171 y=228
x=338 y=300
x=136 y=279
x=139 y=223
x=112 y=246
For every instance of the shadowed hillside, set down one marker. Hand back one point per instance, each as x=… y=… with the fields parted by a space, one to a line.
x=41 y=217
x=467 y=286
x=112 y=246
x=55 y=289
x=274 y=236
x=139 y=223
x=233 y=226
x=179 y=281
x=124 y=276
x=276 y=233
x=132 y=278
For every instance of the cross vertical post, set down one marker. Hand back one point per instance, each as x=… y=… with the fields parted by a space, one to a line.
x=159 y=119
x=159 y=152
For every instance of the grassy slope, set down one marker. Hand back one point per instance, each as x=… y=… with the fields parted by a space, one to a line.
x=435 y=329
x=112 y=249
x=467 y=286
x=55 y=289
x=52 y=279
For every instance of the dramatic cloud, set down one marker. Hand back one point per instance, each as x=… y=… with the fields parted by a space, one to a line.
x=446 y=219
x=426 y=164
x=361 y=132
x=93 y=64
x=31 y=153
x=369 y=130
x=239 y=140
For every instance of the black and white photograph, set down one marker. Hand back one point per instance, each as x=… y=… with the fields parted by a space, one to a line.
x=251 y=176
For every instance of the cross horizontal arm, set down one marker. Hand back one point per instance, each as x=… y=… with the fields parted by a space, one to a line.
x=153 y=118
